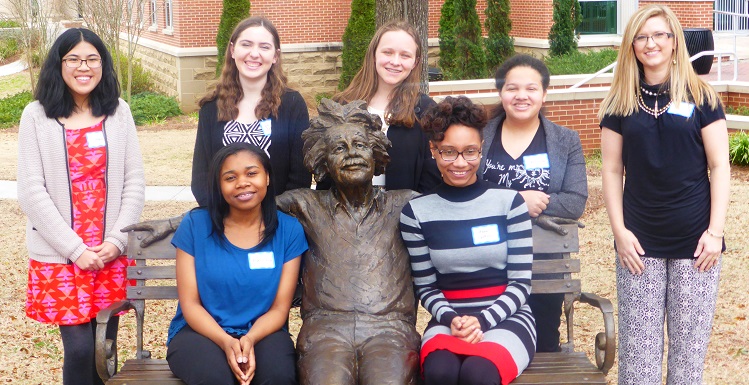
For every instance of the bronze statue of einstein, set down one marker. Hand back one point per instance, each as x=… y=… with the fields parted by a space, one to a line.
x=358 y=306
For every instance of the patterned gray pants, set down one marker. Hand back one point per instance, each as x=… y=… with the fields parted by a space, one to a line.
x=670 y=289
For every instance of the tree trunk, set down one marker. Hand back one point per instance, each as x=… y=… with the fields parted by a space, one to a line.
x=416 y=13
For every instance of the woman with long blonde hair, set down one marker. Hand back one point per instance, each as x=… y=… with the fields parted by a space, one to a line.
x=665 y=127
x=252 y=104
x=389 y=82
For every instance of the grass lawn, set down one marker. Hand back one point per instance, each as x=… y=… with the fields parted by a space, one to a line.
x=13 y=84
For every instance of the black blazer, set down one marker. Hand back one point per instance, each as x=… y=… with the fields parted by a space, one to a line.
x=411 y=165
x=285 y=150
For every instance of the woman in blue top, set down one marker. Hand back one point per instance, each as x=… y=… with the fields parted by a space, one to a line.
x=237 y=266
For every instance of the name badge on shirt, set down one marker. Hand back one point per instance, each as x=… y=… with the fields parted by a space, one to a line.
x=485 y=234
x=684 y=109
x=95 y=139
x=536 y=161
x=261 y=260
x=265 y=126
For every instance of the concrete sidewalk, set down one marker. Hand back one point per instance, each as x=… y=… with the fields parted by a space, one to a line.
x=9 y=190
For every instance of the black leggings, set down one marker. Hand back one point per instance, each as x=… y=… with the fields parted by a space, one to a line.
x=195 y=359
x=79 y=365
x=443 y=367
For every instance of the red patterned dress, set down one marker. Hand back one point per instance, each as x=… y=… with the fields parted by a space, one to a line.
x=63 y=294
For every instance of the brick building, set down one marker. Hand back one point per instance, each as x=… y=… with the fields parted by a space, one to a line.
x=178 y=40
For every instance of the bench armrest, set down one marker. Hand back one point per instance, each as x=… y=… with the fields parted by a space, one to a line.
x=605 y=346
x=106 y=349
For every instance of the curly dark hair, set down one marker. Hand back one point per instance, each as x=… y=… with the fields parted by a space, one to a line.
x=453 y=110
x=333 y=114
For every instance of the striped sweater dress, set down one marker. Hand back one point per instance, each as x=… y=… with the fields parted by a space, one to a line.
x=471 y=254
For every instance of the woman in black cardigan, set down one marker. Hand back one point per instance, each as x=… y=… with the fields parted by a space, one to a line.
x=252 y=104
x=389 y=82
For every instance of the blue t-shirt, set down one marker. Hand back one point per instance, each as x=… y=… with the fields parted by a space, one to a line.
x=236 y=285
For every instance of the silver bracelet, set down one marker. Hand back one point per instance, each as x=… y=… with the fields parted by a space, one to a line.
x=710 y=233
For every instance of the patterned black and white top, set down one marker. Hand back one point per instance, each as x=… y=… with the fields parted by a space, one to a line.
x=471 y=254
x=257 y=133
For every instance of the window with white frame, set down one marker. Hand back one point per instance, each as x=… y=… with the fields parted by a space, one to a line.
x=168 y=15
x=154 y=21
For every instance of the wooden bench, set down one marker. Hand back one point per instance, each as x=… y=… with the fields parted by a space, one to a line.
x=566 y=367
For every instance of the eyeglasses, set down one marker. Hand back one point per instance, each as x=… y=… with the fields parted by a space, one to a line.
x=658 y=38
x=451 y=155
x=74 y=62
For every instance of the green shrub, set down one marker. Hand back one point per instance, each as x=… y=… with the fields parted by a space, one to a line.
x=499 y=45
x=359 y=31
x=740 y=110
x=738 y=148
x=470 y=61
x=567 y=17
x=141 y=81
x=8 y=47
x=577 y=62
x=232 y=13
x=12 y=107
x=9 y=24
x=447 y=39
x=150 y=107
x=322 y=95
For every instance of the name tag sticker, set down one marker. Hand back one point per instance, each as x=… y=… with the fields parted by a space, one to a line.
x=536 y=161
x=95 y=139
x=684 y=109
x=265 y=126
x=262 y=260
x=485 y=234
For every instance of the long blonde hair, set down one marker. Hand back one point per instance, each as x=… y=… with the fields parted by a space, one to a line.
x=685 y=85
x=229 y=91
x=404 y=97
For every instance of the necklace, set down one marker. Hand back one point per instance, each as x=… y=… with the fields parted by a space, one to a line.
x=651 y=93
x=652 y=111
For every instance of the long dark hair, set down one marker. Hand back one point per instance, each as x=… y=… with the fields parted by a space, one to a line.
x=53 y=93
x=217 y=206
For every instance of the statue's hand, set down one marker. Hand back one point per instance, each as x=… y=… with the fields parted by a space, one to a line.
x=159 y=229
x=547 y=222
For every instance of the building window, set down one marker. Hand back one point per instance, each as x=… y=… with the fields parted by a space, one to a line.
x=154 y=21
x=598 y=17
x=168 y=15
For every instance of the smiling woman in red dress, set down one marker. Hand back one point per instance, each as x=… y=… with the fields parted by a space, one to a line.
x=80 y=181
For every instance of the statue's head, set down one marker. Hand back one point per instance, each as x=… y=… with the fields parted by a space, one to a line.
x=345 y=142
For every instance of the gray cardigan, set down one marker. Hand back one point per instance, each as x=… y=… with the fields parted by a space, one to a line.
x=568 y=186
x=44 y=184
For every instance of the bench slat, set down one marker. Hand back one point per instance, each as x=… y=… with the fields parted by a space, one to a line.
x=151 y=272
x=556 y=266
x=561 y=369
x=145 y=372
x=546 y=242
x=548 y=286
x=152 y=292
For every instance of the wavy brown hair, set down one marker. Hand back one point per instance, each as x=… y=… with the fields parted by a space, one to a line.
x=229 y=92
x=404 y=97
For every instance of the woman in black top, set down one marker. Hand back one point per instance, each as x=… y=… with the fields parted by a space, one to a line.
x=541 y=160
x=664 y=127
x=252 y=104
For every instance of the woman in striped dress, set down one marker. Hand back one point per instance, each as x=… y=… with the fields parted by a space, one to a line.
x=471 y=255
